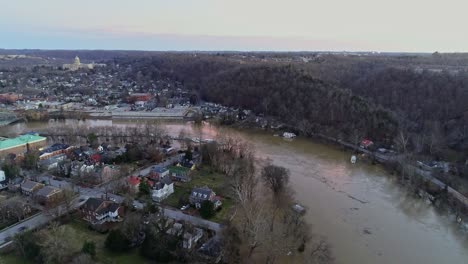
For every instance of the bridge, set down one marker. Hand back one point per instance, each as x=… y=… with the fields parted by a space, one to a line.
x=160 y=113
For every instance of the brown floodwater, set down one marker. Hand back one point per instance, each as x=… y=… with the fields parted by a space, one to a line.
x=361 y=211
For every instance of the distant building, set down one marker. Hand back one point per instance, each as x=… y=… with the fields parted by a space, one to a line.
x=76 y=65
x=134 y=183
x=54 y=150
x=366 y=143
x=139 y=97
x=20 y=144
x=3 y=180
x=10 y=97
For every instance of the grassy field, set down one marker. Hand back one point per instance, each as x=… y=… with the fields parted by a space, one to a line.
x=202 y=177
x=102 y=254
x=80 y=235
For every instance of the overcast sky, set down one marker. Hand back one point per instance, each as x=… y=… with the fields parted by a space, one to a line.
x=352 y=25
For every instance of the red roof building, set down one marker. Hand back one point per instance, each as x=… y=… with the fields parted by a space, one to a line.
x=134 y=183
x=95 y=158
x=365 y=143
x=139 y=97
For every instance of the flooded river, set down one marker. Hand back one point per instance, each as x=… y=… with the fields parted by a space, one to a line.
x=359 y=209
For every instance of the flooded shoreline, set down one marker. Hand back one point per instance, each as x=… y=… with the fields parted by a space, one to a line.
x=361 y=210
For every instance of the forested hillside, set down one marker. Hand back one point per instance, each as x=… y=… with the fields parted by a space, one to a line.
x=341 y=96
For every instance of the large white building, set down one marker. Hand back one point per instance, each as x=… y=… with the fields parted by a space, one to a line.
x=78 y=65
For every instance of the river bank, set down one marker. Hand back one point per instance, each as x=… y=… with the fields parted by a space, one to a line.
x=361 y=209
x=422 y=183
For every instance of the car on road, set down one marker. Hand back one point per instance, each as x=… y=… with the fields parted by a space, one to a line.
x=21 y=229
x=185 y=207
x=112 y=199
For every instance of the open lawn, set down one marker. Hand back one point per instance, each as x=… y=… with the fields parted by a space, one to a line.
x=202 y=177
x=102 y=254
x=80 y=235
x=13 y=259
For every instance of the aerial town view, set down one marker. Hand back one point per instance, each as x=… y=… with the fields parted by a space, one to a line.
x=233 y=132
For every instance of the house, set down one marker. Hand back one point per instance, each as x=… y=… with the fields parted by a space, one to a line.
x=51 y=162
x=211 y=249
x=189 y=238
x=134 y=183
x=162 y=189
x=95 y=158
x=30 y=187
x=54 y=150
x=3 y=180
x=109 y=172
x=189 y=164
x=49 y=195
x=179 y=173
x=366 y=143
x=198 y=195
x=98 y=211
x=159 y=172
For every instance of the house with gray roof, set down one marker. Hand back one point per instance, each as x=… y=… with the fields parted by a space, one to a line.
x=30 y=187
x=200 y=194
x=49 y=195
x=98 y=211
x=162 y=189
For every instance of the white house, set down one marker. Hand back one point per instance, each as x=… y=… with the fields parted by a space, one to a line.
x=162 y=189
x=98 y=211
x=2 y=176
x=3 y=183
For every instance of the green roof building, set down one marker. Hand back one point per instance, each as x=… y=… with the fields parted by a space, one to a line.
x=19 y=144
x=179 y=173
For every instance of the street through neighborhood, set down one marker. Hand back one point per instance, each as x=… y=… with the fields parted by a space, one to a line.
x=43 y=218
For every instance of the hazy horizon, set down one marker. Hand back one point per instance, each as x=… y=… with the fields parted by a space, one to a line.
x=256 y=25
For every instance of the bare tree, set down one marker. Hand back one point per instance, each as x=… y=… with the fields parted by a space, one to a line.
x=56 y=249
x=275 y=178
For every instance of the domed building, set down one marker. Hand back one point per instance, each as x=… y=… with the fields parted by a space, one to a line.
x=77 y=61
x=78 y=65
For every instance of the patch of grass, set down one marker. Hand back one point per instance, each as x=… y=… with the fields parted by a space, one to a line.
x=11 y=258
x=224 y=211
x=131 y=257
x=173 y=199
x=205 y=176
x=83 y=233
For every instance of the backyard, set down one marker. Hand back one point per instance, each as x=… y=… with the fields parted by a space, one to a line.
x=82 y=234
x=203 y=176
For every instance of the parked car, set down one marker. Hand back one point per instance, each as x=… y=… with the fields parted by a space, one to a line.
x=185 y=207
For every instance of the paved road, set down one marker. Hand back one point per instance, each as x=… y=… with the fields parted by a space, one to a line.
x=36 y=221
x=84 y=194
x=179 y=215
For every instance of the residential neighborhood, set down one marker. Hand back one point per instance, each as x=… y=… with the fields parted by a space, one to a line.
x=99 y=186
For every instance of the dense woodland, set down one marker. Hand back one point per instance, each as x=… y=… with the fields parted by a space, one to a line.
x=425 y=96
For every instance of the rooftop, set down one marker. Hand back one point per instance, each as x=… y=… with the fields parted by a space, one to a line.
x=178 y=169
x=47 y=191
x=159 y=169
x=19 y=141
